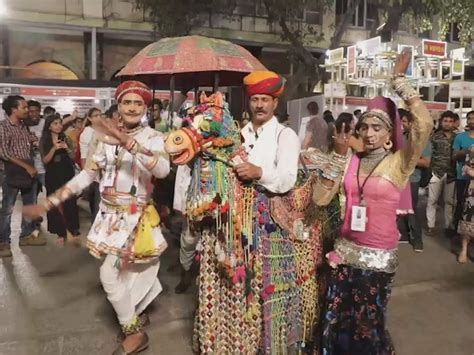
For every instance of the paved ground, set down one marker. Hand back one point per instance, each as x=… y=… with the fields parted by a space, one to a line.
x=51 y=302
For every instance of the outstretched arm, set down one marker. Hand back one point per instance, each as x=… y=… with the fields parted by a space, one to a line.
x=422 y=121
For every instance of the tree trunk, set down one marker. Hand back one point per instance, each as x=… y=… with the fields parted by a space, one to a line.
x=308 y=67
x=342 y=27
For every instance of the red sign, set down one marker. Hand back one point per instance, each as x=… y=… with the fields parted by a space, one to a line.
x=166 y=95
x=59 y=92
x=434 y=48
x=437 y=106
x=363 y=101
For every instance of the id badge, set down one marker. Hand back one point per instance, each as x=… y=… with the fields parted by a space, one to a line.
x=109 y=176
x=358 y=218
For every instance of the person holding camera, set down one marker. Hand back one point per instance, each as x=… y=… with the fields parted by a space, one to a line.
x=56 y=150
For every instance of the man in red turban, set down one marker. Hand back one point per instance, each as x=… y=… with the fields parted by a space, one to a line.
x=133 y=98
x=126 y=232
x=133 y=87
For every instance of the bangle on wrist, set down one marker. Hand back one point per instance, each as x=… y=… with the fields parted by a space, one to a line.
x=402 y=86
x=399 y=75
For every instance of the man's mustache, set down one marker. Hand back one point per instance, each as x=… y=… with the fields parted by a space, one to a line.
x=260 y=111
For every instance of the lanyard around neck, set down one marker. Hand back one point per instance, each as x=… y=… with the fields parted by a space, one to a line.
x=361 y=187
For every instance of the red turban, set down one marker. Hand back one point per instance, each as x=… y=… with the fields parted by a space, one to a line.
x=134 y=87
x=264 y=83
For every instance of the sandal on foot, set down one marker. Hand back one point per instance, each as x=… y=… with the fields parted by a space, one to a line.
x=144 y=322
x=141 y=347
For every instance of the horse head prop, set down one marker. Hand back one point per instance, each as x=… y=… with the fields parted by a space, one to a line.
x=208 y=142
x=208 y=130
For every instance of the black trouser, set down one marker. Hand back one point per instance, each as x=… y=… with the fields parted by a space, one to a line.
x=410 y=225
x=94 y=199
x=415 y=223
x=460 y=192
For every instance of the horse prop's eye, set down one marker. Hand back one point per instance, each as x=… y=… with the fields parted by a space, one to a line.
x=178 y=140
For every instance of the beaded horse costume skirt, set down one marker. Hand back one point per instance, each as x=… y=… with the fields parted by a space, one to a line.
x=273 y=309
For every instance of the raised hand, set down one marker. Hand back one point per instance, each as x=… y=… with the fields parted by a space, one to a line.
x=108 y=131
x=341 y=140
x=402 y=62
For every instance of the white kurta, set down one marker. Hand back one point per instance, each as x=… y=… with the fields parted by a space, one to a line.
x=113 y=228
x=274 y=148
x=132 y=289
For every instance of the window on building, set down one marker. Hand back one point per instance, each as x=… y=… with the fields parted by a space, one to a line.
x=425 y=34
x=360 y=14
x=261 y=9
x=372 y=15
x=245 y=8
x=453 y=34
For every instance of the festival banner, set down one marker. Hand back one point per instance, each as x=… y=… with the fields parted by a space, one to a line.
x=351 y=60
x=457 y=61
x=335 y=90
x=411 y=67
x=335 y=56
x=370 y=47
x=434 y=48
x=463 y=89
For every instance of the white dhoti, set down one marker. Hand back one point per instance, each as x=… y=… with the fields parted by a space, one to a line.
x=188 y=242
x=131 y=290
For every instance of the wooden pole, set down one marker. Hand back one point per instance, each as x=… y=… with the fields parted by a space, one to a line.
x=170 y=109
x=216 y=81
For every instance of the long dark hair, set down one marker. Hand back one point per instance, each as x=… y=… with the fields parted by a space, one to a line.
x=89 y=115
x=46 y=141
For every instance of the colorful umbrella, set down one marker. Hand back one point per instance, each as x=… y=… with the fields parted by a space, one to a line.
x=192 y=61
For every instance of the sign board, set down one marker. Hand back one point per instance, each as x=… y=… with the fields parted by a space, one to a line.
x=457 y=61
x=335 y=90
x=434 y=48
x=370 y=47
x=335 y=56
x=463 y=89
x=411 y=67
x=351 y=60
x=362 y=102
x=457 y=67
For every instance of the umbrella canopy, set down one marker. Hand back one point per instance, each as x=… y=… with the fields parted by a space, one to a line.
x=192 y=60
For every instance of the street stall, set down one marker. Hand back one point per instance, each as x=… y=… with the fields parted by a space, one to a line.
x=364 y=72
x=64 y=99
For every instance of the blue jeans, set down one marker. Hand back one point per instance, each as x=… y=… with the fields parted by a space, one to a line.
x=8 y=203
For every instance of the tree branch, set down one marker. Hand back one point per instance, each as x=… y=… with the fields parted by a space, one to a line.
x=342 y=27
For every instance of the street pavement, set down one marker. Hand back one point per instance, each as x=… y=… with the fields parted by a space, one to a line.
x=51 y=302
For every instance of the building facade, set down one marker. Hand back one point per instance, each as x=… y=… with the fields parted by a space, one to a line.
x=94 y=39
